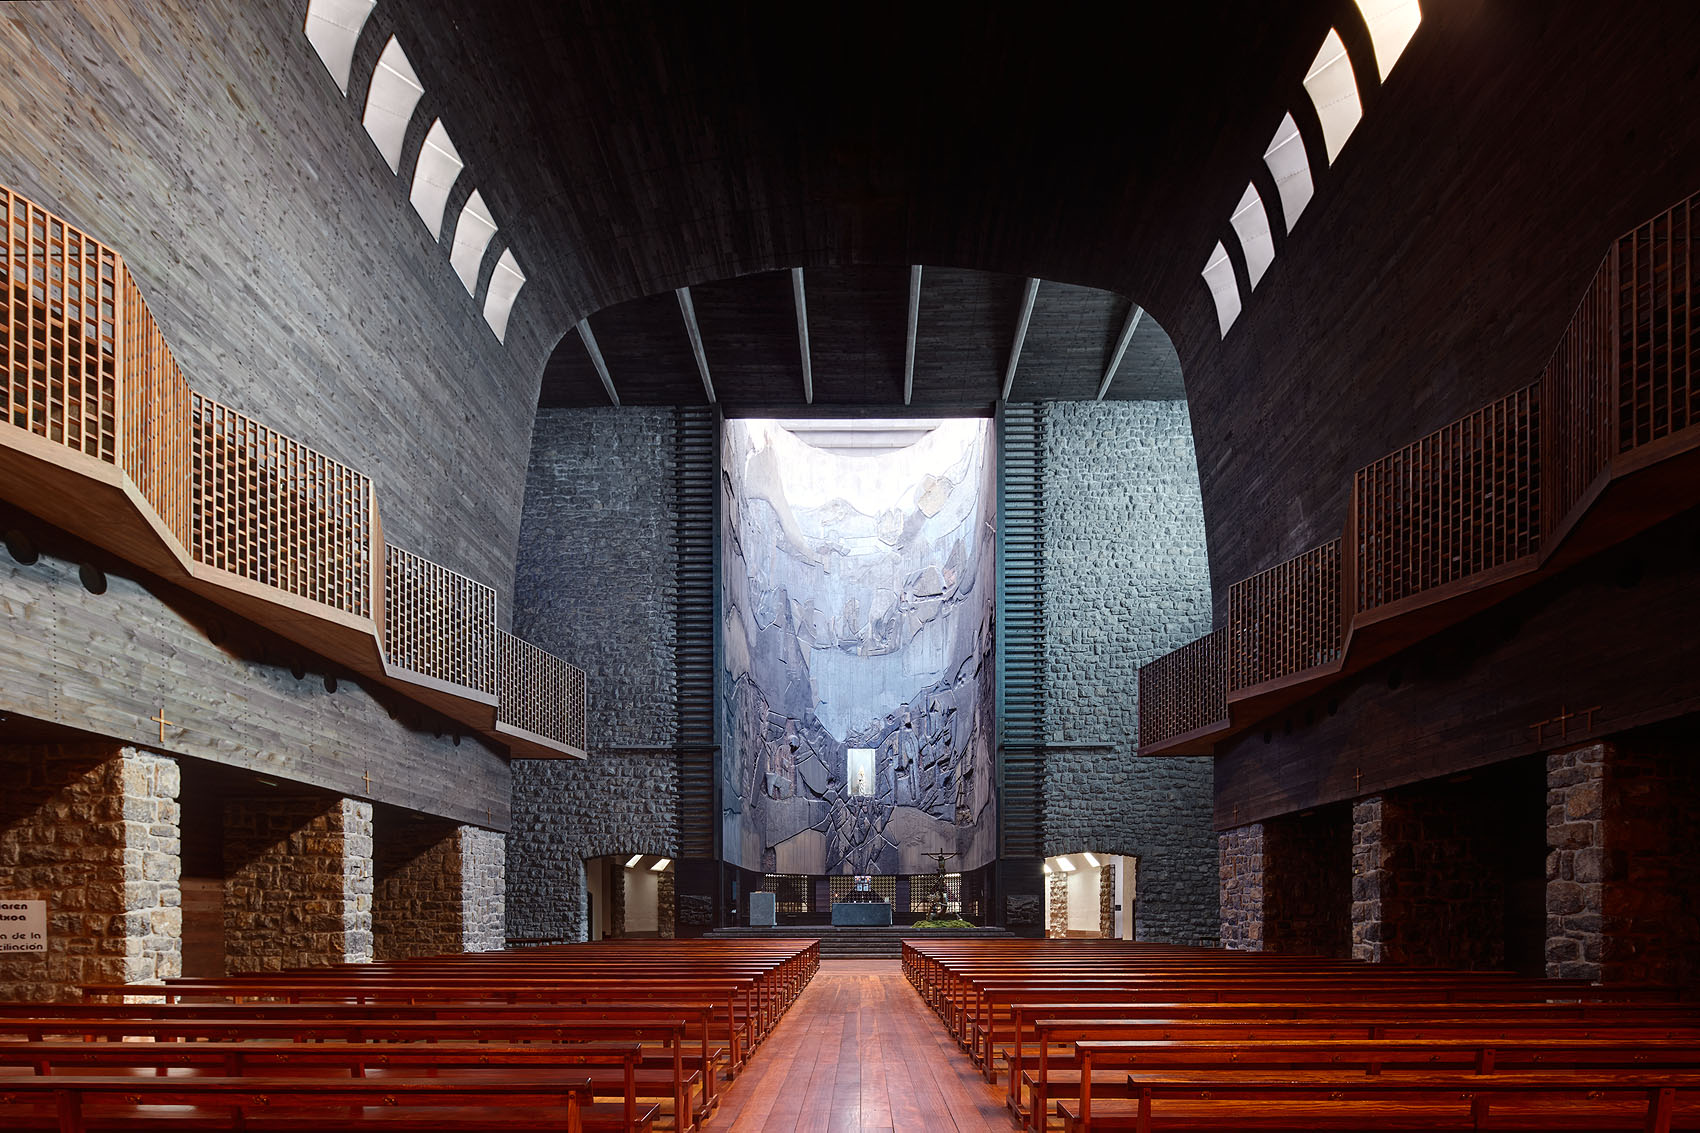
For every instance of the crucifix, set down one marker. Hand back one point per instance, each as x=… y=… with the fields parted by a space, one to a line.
x=162 y=722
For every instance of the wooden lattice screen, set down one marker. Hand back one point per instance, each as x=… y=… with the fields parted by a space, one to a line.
x=272 y=510
x=156 y=415
x=60 y=334
x=1578 y=388
x=1462 y=500
x=1286 y=619
x=1657 y=391
x=1185 y=690
x=539 y=692
x=437 y=622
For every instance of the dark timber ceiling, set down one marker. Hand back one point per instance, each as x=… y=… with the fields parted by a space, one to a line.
x=858 y=337
x=631 y=148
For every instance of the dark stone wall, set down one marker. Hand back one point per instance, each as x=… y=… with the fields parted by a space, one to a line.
x=207 y=144
x=1308 y=883
x=595 y=583
x=1126 y=581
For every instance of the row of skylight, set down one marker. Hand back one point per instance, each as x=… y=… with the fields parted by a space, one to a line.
x=333 y=28
x=1333 y=90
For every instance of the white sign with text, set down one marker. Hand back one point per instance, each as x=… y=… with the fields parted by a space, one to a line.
x=23 y=926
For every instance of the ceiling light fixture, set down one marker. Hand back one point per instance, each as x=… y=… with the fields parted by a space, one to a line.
x=633 y=860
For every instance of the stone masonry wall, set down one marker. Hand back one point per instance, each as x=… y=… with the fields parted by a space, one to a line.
x=298 y=882
x=1429 y=886
x=483 y=889
x=1126 y=580
x=94 y=831
x=1307 y=882
x=1623 y=882
x=416 y=898
x=1240 y=856
x=1056 y=906
x=595 y=583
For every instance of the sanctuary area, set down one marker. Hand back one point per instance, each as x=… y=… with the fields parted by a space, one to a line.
x=639 y=566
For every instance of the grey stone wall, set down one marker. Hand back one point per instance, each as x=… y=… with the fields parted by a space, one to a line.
x=298 y=882
x=483 y=889
x=94 y=831
x=1126 y=580
x=595 y=583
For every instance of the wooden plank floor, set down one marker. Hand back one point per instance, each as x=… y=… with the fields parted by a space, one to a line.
x=860 y=1051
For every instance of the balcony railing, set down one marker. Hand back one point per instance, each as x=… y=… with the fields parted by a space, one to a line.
x=88 y=371
x=540 y=693
x=1286 y=620
x=1463 y=500
x=1184 y=691
x=439 y=623
x=1480 y=501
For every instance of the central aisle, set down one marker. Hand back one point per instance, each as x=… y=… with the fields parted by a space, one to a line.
x=860 y=1051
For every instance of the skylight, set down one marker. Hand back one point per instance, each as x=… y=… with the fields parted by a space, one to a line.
x=1334 y=90
x=504 y=286
x=1251 y=223
x=395 y=93
x=333 y=28
x=1391 y=24
x=439 y=165
x=1291 y=169
x=1224 y=288
x=472 y=236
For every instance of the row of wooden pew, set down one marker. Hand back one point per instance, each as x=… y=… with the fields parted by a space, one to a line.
x=633 y=1035
x=1094 y=1035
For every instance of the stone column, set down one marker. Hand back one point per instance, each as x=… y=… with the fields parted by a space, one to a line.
x=298 y=884
x=1107 y=901
x=1057 y=887
x=616 y=899
x=93 y=830
x=1371 y=878
x=1576 y=862
x=664 y=904
x=1623 y=884
x=1241 y=871
x=483 y=889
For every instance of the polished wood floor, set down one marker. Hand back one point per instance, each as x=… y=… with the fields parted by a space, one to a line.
x=860 y=1051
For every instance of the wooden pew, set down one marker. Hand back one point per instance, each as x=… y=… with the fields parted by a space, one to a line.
x=76 y=1103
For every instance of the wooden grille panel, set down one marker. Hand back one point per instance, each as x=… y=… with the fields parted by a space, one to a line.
x=1577 y=390
x=1460 y=501
x=156 y=402
x=272 y=510
x=1657 y=391
x=540 y=692
x=1185 y=690
x=60 y=333
x=438 y=622
x=1287 y=619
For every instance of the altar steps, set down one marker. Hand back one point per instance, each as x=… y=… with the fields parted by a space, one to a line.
x=861 y=943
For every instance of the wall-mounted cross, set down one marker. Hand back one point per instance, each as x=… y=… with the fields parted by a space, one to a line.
x=367 y=775
x=1562 y=722
x=1358 y=780
x=162 y=722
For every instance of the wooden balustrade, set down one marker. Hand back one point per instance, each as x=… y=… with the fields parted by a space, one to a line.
x=60 y=331
x=272 y=510
x=540 y=694
x=1286 y=620
x=1657 y=393
x=1461 y=501
x=438 y=623
x=1184 y=691
x=196 y=484
x=1478 y=503
x=157 y=404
